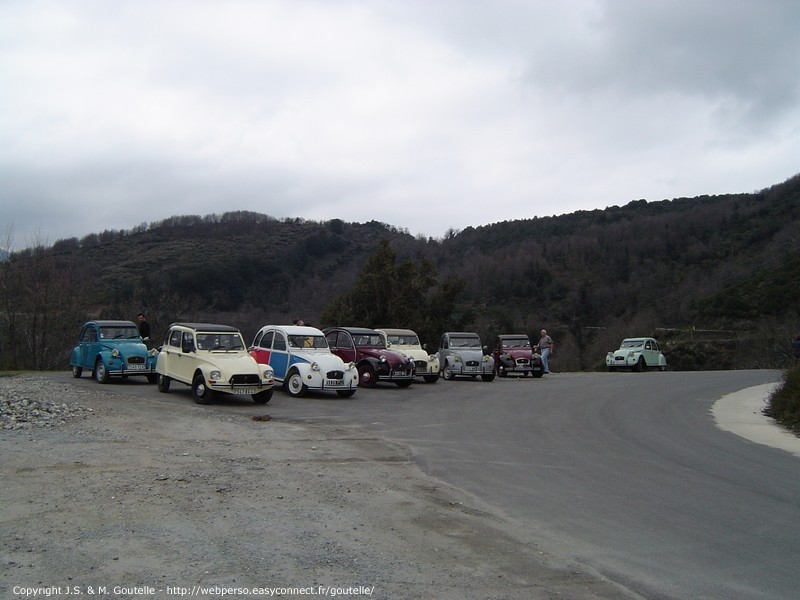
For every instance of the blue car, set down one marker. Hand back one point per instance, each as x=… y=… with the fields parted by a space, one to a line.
x=112 y=348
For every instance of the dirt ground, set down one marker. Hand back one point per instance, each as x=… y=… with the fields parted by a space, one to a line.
x=139 y=500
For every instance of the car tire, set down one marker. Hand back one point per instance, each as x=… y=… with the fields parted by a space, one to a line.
x=366 y=376
x=152 y=378
x=101 y=372
x=162 y=382
x=431 y=378
x=345 y=393
x=77 y=371
x=200 y=391
x=537 y=374
x=262 y=397
x=640 y=365
x=403 y=384
x=448 y=373
x=295 y=386
x=489 y=377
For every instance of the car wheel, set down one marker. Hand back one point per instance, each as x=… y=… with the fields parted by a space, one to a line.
x=200 y=391
x=489 y=377
x=263 y=397
x=345 y=393
x=100 y=372
x=537 y=374
x=295 y=385
x=447 y=373
x=662 y=368
x=640 y=364
x=152 y=378
x=366 y=376
x=403 y=384
x=501 y=372
x=77 y=372
x=162 y=381
x=431 y=378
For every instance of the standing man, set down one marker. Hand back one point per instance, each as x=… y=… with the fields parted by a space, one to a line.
x=545 y=346
x=144 y=326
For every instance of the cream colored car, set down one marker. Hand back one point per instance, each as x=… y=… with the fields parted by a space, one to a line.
x=406 y=342
x=211 y=359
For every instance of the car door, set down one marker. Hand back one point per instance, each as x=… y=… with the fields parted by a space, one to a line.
x=341 y=344
x=279 y=357
x=262 y=347
x=88 y=346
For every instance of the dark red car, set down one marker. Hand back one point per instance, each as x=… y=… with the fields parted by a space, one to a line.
x=367 y=350
x=513 y=353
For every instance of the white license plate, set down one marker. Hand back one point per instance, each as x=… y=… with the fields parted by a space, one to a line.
x=244 y=391
x=137 y=367
x=334 y=382
x=472 y=369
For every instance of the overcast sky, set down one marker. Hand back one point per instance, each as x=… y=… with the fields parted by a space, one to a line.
x=424 y=114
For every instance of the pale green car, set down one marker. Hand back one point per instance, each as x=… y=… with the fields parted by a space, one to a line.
x=637 y=354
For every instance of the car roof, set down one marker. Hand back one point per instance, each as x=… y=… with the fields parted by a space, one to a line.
x=207 y=327
x=398 y=331
x=294 y=329
x=462 y=333
x=356 y=330
x=508 y=336
x=638 y=339
x=109 y=323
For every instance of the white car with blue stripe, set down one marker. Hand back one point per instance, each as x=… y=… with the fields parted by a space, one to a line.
x=302 y=360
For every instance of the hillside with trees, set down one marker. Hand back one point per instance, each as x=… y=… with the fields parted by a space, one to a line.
x=715 y=278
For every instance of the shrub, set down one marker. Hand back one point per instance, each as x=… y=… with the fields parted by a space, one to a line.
x=784 y=402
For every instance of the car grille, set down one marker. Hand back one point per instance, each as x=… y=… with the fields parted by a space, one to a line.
x=523 y=362
x=473 y=363
x=334 y=375
x=421 y=365
x=135 y=360
x=252 y=379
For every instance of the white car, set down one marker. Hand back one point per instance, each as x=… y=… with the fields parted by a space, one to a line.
x=303 y=361
x=406 y=342
x=211 y=359
x=638 y=354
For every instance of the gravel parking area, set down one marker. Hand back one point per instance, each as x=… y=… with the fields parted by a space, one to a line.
x=122 y=499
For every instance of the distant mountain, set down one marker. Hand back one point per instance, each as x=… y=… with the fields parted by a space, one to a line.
x=714 y=277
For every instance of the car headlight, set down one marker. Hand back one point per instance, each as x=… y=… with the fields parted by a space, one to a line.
x=215 y=375
x=115 y=353
x=431 y=357
x=457 y=357
x=268 y=374
x=486 y=358
x=351 y=366
x=383 y=359
x=314 y=366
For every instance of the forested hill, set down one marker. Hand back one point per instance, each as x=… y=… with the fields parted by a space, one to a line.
x=714 y=277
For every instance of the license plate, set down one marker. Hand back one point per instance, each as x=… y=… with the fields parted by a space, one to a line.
x=334 y=382
x=137 y=367
x=244 y=391
x=472 y=369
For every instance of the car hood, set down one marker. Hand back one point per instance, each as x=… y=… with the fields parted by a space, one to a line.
x=126 y=348
x=518 y=352
x=415 y=353
x=231 y=362
x=326 y=360
x=469 y=353
x=391 y=356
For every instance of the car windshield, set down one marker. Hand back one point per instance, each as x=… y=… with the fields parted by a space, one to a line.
x=403 y=340
x=632 y=343
x=516 y=343
x=365 y=339
x=219 y=341
x=308 y=341
x=466 y=341
x=119 y=333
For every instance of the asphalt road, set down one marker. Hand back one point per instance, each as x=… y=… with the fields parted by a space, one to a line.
x=623 y=473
